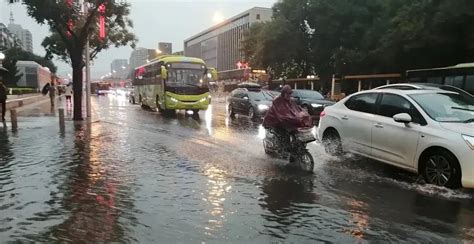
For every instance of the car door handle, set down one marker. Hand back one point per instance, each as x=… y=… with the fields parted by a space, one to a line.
x=378 y=125
x=345 y=117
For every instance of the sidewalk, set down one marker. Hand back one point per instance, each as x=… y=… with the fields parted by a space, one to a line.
x=22 y=100
x=36 y=106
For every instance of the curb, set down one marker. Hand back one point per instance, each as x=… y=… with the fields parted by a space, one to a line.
x=16 y=103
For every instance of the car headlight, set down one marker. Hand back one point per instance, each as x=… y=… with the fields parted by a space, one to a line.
x=469 y=140
x=262 y=107
x=173 y=99
x=316 y=105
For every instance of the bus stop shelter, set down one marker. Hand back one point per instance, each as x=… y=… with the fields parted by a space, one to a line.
x=315 y=84
x=349 y=84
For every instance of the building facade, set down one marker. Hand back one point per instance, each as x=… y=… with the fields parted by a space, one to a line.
x=24 y=35
x=7 y=39
x=119 y=68
x=165 y=48
x=220 y=46
x=140 y=56
x=33 y=74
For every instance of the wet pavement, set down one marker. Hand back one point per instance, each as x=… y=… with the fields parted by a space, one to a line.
x=134 y=175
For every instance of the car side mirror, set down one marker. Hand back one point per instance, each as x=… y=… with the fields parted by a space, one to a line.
x=402 y=118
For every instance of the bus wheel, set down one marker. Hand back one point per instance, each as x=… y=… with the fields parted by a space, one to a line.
x=141 y=102
x=169 y=111
x=158 y=104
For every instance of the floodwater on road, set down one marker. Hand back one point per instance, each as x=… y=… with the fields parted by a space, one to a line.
x=134 y=175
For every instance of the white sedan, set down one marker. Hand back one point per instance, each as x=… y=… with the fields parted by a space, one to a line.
x=427 y=131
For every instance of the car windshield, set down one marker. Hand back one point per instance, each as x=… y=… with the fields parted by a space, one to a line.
x=310 y=94
x=446 y=107
x=185 y=76
x=260 y=96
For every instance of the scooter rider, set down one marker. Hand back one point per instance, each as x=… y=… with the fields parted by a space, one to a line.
x=286 y=114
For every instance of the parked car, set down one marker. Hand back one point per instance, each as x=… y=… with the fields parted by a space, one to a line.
x=428 y=131
x=311 y=101
x=251 y=101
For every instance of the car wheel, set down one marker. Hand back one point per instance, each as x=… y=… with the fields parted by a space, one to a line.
x=141 y=102
x=332 y=143
x=251 y=113
x=441 y=168
x=158 y=105
x=231 y=111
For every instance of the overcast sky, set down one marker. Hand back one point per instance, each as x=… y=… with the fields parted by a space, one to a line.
x=154 y=21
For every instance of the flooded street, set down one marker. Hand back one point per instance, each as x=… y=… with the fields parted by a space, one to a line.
x=134 y=175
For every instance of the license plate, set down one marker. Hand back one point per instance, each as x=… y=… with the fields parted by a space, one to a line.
x=306 y=137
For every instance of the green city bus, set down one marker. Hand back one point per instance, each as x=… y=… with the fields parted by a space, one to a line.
x=169 y=83
x=460 y=76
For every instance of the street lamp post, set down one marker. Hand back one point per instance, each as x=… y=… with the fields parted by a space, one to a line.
x=88 y=72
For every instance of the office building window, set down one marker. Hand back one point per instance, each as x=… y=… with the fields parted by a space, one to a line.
x=258 y=16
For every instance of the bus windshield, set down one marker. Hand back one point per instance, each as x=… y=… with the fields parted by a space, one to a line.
x=185 y=76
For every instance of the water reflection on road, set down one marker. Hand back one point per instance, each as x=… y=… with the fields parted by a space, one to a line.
x=133 y=175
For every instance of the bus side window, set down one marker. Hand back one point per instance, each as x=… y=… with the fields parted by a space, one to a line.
x=435 y=80
x=456 y=81
x=469 y=85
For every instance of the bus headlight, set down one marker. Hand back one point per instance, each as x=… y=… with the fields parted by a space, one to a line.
x=202 y=100
x=173 y=99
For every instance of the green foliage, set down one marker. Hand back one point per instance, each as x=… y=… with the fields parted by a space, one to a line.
x=60 y=44
x=361 y=36
x=23 y=90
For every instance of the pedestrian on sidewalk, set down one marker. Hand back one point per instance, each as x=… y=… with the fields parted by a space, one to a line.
x=3 y=99
x=52 y=93
x=68 y=93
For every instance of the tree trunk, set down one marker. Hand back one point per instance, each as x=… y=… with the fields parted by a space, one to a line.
x=77 y=87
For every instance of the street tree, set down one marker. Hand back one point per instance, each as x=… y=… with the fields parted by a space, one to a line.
x=71 y=27
x=362 y=36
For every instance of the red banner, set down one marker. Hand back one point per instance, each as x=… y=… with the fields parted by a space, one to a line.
x=102 y=21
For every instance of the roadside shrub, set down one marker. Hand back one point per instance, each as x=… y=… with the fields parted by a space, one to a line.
x=23 y=90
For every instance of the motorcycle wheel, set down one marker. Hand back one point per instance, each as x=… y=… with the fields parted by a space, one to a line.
x=303 y=161
x=265 y=148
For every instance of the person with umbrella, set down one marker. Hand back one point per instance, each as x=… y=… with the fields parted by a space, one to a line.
x=3 y=92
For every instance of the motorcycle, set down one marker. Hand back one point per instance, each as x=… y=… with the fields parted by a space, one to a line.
x=290 y=145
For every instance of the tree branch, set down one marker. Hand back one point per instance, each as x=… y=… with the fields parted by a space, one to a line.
x=63 y=37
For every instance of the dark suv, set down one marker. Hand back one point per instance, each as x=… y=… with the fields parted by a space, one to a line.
x=311 y=101
x=253 y=102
